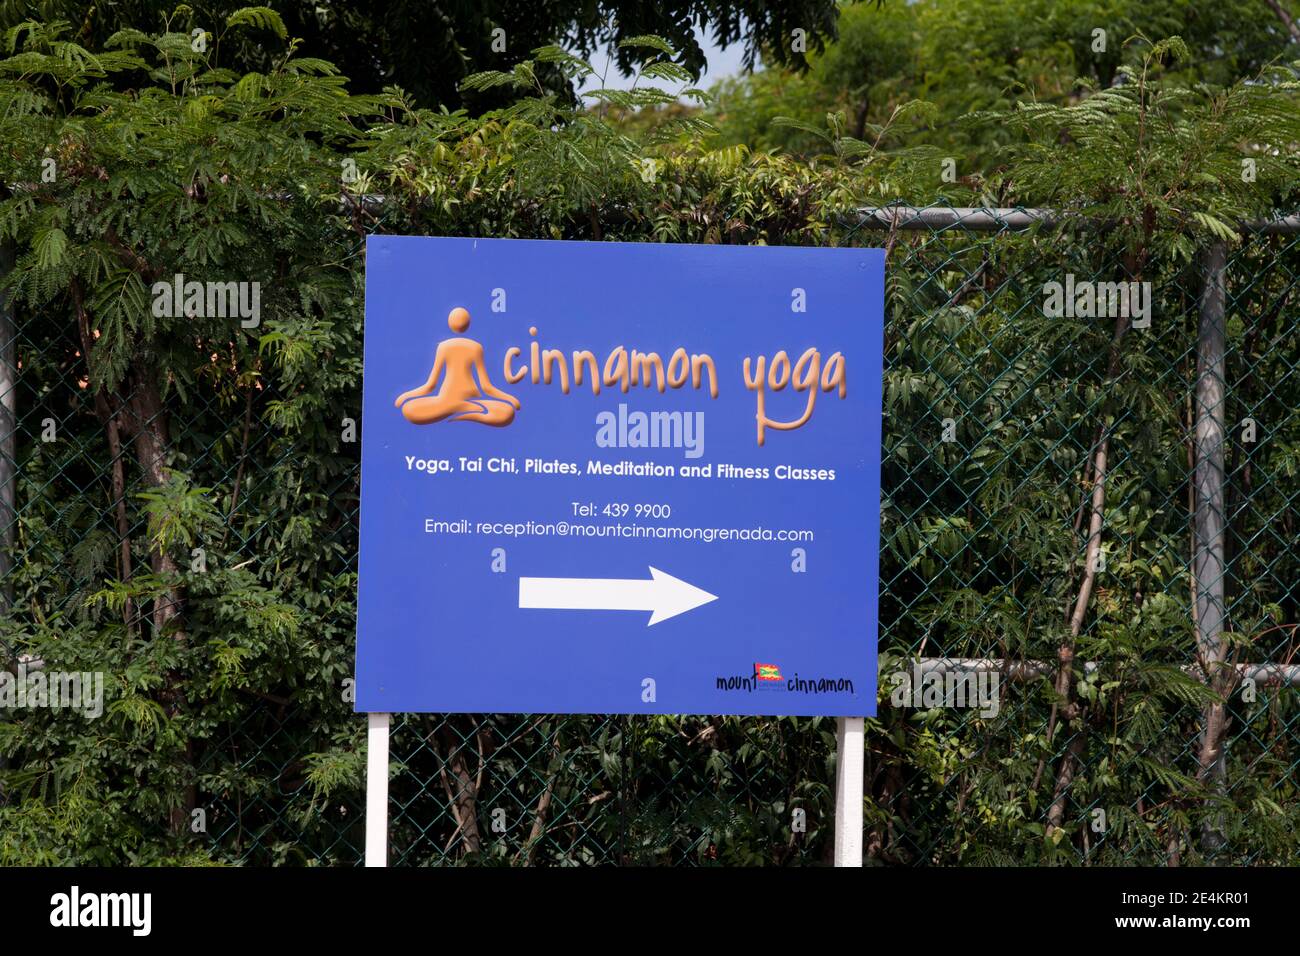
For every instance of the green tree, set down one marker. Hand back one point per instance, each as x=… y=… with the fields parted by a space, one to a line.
x=965 y=56
x=429 y=48
x=201 y=173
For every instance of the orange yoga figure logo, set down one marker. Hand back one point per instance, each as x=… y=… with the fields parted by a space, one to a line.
x=461 y=397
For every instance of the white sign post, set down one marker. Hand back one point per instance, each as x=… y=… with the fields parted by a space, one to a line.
x=377 y=790
x=849 y=746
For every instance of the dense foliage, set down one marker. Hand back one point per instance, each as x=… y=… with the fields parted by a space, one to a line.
x=191 y=528
x=970 y=56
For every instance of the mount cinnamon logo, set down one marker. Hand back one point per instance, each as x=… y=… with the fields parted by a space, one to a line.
x=769 y=677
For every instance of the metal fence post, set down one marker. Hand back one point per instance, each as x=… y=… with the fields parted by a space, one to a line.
x=8 y=431
x=8 y=450
x=1208 y=558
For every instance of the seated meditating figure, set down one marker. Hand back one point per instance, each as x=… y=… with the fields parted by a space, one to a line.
x=461 y=398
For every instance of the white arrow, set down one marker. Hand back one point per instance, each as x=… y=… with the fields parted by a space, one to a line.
x=662 y=594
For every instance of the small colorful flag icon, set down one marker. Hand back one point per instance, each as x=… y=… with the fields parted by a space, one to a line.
x=767 y=671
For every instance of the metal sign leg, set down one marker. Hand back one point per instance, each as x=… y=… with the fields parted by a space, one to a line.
x=377 y=790
x=849 y=742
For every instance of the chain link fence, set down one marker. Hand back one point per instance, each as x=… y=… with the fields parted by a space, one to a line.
x=1052 y=514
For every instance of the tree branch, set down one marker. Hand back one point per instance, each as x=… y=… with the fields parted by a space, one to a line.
x=1287 y=20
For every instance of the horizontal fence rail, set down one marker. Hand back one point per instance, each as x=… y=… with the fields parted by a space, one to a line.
x=1277 y=674
x=989 y=219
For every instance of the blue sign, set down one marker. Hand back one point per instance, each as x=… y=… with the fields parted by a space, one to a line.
x=619 y=478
